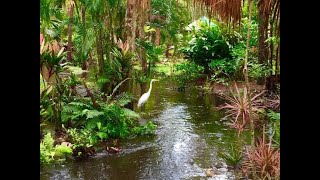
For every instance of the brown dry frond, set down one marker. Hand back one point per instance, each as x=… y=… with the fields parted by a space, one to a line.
x=227 y=10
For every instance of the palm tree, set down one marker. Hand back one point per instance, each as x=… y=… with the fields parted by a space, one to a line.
x=129 y=23
x=69 y=47
x=269 y=27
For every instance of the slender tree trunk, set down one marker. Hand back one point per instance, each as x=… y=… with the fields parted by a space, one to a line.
x=252 y=126
x=110 y=39
x=157 y=39
x=278 y=50
x=83 y=16
x=278 y=60
x=69 y=47
x=100 y=51
x=167 y=50
x=129 y=33
x=246 y=74
x=271 y=49
x=262 y=47
x=85 y=64
x=142 y=55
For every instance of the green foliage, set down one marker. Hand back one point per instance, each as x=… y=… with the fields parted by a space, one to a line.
x=187 y=72
x=140 y=77
x=147 y=129
x=51 y=59
x=123 y=57
x=63 y=150
x=131 y=114
x=81 y=138
x=274 y=130
x=49 y=153
x=232 y=157
x=124 y=98
x=171 y=17
x=46 y=149
x=222 y=69
x=258 y=70
x=114 y=119
x=153 y=53
x=207 y=44
x=79 y=111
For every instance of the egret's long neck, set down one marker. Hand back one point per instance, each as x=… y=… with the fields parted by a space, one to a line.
x=150 y=87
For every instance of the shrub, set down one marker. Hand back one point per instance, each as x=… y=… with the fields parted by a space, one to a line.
x=147 y=129
x=263 y=159
x=207 y=44
x=232 y=157
x=187 y=72
x=48 y=152
x=238 y=107
x=274 y=119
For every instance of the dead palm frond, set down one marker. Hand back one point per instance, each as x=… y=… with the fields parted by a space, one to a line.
x=226 y=10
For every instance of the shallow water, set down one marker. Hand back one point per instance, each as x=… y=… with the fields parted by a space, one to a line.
x=190 y=134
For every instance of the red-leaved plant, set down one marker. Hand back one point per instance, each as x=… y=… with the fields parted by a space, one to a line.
x=238 y=107
x=263 y=159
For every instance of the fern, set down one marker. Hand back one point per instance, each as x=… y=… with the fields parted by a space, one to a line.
x=273 y=115
x=131 y=114
x=116 y=88
x=92 y=124
x=124 y=99
x=77 y=111
x=69 y=109
x=80 y=105
x=89 y=114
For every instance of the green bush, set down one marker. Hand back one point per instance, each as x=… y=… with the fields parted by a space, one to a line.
x=48 y=152
x=207 y=44
x=81 y=138
x=147 y=129
x=222 y=69
x=187 y=72
x=274 y=130
x=258 y=70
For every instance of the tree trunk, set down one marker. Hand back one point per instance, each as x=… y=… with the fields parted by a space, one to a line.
x=143 y=87
x=111 y=35
x=129 y=24
x=278 y=60
x=69 y=48
x=167 y=50
x=262 y=47
x=157 y=39
x=100 y=51
x=85 y=64
x=252 y=125
x=246 y=74
x=142 y=55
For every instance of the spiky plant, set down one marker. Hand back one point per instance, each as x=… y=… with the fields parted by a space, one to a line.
x=238 y=107
x=263 y=159
x=232 y=157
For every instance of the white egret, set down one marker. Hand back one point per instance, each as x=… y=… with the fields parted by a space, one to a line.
x=144 y=98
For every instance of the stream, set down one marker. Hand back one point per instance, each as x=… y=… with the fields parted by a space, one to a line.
x=189 y=136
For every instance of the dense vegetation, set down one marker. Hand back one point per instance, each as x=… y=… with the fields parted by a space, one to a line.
x=93 y=52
